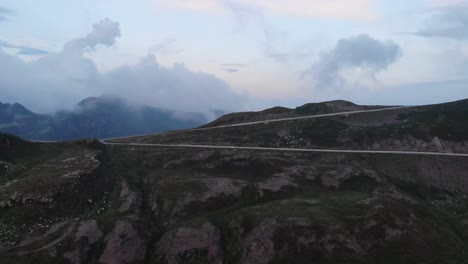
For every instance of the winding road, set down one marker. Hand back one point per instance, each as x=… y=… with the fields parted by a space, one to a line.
x=112 y=141
x=346 y=151
x=265 y=122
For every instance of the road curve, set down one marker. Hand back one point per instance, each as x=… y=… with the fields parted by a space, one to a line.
x=265 y=122
x=345 y=151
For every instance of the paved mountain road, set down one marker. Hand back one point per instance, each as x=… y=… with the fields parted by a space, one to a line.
x=266 y=122
x=345 y=151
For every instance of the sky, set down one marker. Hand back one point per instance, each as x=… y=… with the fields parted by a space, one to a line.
x=233 y=55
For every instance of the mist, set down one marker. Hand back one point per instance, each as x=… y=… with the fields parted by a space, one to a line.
x=59 y=80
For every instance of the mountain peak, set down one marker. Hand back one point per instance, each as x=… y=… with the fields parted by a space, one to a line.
x=20 y=109
x=88 y=100
x=102 y=101
x=14 y=109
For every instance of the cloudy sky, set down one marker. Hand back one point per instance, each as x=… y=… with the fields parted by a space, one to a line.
x=197 y=55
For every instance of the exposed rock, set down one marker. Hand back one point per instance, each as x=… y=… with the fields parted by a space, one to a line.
x=259 y=246
x=334 y=178
x=89 y=231
x=124 y=245
x=277 y=183
x=46 y=199
x=128 y=197
x=5 y=204
x=437 y=144
x=87 y=234
x=214 y=189
x=190 y=245
x=223 y=186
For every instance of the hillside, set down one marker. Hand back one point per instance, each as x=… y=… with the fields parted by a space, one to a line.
x=89 y=202
x=283 y=112
x=440 y=128
x=101 y=117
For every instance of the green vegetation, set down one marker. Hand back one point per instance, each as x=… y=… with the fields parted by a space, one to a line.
x=9 y=172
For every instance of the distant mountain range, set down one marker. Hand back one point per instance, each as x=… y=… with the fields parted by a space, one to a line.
x=95 y=117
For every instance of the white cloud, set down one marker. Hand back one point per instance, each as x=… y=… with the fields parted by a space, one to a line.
x=439 y=3
x=344 y=9
x=354 y=61
x=60 y=80
x=447 y=22
x=176 y=88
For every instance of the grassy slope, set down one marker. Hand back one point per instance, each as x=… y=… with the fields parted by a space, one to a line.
x=360 y=131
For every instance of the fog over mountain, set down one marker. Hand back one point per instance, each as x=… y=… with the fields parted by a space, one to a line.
x=58 y=81
x=96 y=117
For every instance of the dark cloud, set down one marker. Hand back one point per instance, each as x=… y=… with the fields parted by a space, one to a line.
x=230 y=70
x=447 y=22
x=23 y=50
x=60 y=80
x=5 y=13
x=361 y=52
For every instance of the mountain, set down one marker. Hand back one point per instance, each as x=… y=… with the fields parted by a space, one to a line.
x=86 y=201
x=283 y=112
x=425 y=128
x=95 y=117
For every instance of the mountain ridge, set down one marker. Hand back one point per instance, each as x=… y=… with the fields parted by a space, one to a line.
x=279 y=112
x=94 y=117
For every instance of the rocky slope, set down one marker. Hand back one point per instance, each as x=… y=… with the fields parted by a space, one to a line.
x=85 y=202
x=283 y=112
x=438 y=128
x=102 y=117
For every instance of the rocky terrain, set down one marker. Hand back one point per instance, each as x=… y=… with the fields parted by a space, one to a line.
x=438 y=128
x=94 y=117
x=88 y=202
x=283 y=112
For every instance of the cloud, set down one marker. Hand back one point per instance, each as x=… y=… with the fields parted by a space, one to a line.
x=450 y=21
x=4 y=13
x=343 y=9
x=235 y=65
x=166 y=47
x=230 y=70
x=104 y=33
x=60 y=80
x=246 y=14
x=174 y=88
x=23 y=50
x=274 y=41
x=361 y=53
x=439 y=3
